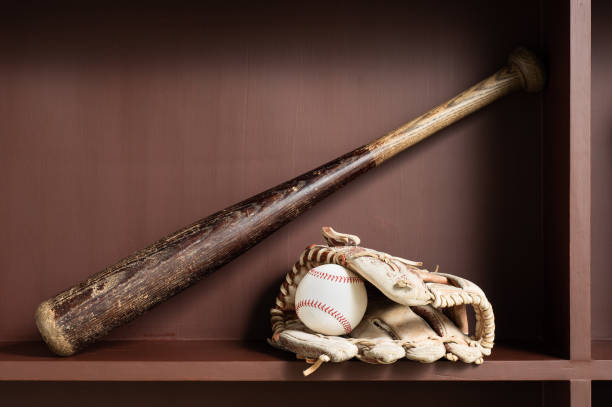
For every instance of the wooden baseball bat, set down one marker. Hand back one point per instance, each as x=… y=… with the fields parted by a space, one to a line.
x=86 y=312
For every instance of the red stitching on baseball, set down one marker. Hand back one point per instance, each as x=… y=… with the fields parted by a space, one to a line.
x=328 y=310
x=336 y=279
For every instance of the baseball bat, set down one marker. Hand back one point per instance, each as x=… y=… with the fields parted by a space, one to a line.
x=86 y=312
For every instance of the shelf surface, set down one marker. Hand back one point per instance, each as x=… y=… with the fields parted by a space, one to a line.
x=257 y=361
x=601 y=350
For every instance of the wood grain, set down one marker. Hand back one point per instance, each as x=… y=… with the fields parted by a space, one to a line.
x=580 y=182
x=86 y=312
x=122 y=126
x=257 y=361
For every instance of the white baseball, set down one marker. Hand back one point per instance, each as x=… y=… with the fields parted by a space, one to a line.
x=331 y=300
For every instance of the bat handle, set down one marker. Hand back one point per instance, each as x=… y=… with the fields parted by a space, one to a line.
x=524 y=71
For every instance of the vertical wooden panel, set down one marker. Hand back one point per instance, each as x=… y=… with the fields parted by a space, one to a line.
x=580 y=179
x=555 y=175
x=580 y=392
x=575 y=393
x=601 y=169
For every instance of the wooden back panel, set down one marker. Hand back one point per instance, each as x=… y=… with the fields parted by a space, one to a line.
x=121 y=125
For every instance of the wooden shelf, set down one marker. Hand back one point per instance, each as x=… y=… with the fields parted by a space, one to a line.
x=256 y=361
x=169 y=113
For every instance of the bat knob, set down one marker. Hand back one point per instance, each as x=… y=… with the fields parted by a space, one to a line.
x=51 y=333
x=530 y=67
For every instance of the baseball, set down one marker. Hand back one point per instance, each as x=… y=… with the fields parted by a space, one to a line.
x=331 y=300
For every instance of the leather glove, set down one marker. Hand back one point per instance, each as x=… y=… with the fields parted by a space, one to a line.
x=412 y=313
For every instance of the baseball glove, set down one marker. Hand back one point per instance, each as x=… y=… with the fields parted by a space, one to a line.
x=420 y=315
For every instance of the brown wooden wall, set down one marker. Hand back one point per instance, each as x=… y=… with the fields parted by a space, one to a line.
x=120 y=125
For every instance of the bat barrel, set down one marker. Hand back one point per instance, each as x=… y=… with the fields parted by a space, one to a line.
x=86 y=312
x=81 y=315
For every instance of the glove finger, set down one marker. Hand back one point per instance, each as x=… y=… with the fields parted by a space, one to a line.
x=465 y=353
x=396 y=280
x=377 y=342
x=403 y=323
x=426 y=351
x=312 y=346
x=381 y=353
